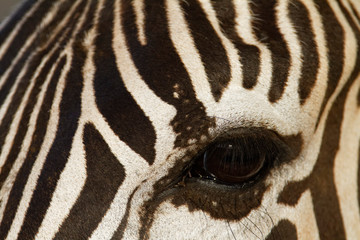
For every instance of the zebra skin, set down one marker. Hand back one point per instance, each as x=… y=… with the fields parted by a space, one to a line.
x=180 y=119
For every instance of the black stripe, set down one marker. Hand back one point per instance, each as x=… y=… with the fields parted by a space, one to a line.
x=321 y=181
x=249 y=54
x=211 y=50
x=15 y=18
x=267 y=31
x=10 y=80
x=61 y=37
x=356 y=14
x=283 y=230
x=41 y=40
x=119 y=108
x=334 y=36
x=24 y=122
x=103 y=172
x=34 y=62
x=300 y=18
x=358 y=98
x=23 y=34
x=162 y=70
x=69 y=114
x=36 y=142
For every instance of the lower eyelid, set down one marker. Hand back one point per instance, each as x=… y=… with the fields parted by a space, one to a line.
x=221 y=202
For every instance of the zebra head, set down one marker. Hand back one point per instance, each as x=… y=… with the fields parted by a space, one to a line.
x=180 y=120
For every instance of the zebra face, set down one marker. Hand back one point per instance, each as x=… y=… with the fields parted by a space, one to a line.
x=180 y=120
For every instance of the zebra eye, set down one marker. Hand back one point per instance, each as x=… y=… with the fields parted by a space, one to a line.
x=235 y=162
x=228 y=163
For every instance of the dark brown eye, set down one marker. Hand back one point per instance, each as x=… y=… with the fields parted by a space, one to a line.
x=236 y=161
x=228 y=162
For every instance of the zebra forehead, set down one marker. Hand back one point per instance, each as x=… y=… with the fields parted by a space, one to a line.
x=214 y=55
x=180 y=119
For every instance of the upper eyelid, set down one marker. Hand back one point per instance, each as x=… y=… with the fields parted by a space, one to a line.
x=261 y=138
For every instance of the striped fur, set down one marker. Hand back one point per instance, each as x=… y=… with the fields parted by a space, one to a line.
x=104 y=104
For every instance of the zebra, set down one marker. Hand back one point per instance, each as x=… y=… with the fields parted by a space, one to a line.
x=180 y=119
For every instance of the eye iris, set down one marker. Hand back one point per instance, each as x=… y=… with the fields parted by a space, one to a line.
x=230 y=163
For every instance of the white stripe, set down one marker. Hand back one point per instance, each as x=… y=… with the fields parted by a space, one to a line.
x=290 y=98
x=347 y=6
x=28 y=42
x=14 y=127
x=185 y=47
x=67 y=190
x=48 y=140
x=160 y=117
x=312 y=150
x=346 y=161
x=306 y=226
x=8 y=184
x=245 y=31
x=231 y=51
x=356 y=5
x=310 y=110
x=140 y=20
x=16 y=121
x=64 y=196
x=47 y=19
x=15 y=31
x=73 y=176
x=233 y=110
x=346 y=164
x=312 y=106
